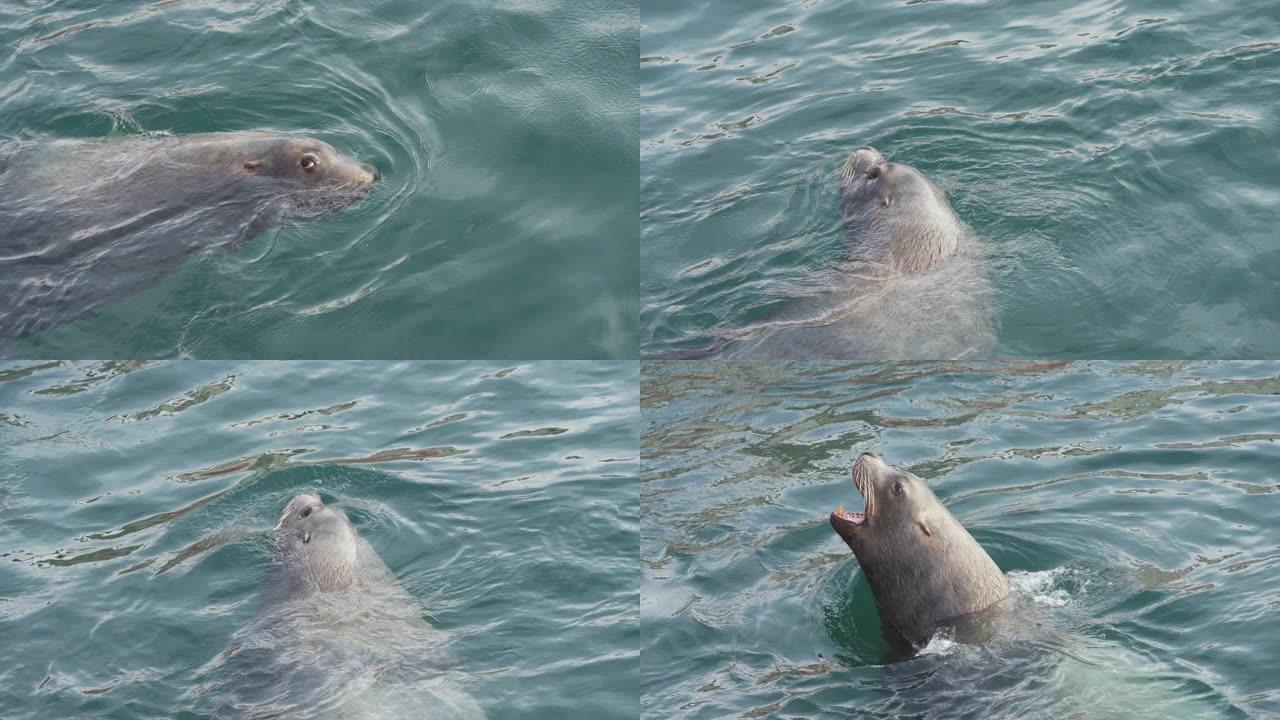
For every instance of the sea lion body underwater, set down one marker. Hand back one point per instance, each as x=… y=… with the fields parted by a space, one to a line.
x=913 y=283
x=87 y=222
x=925 y=570
x=336 y=635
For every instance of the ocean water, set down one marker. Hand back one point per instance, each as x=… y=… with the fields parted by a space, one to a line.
x=505 y=224
x=1111 y=155
x=1131 y=506
x=137 y=501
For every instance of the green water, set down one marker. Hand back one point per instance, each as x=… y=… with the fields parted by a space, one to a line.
x=136 y=502
x=1113 y=155
x=506 y=221
x=1132 y=504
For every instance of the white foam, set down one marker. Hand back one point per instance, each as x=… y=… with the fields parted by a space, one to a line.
x=1041 y=585
x=940 y=644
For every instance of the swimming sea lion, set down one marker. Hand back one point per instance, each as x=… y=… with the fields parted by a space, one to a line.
x=913 y=284
x=924 y=568
x=336 y=636
x=88 y=222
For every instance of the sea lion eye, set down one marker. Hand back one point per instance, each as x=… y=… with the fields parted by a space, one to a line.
x=308 y=162
x=897 y=487
x=306 y=511
x=873 y=172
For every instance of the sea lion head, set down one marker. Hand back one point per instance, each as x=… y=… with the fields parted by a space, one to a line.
x=899 y=510
x=924 y=568
x=313 y=177
x=320 y=545
x=897 y=212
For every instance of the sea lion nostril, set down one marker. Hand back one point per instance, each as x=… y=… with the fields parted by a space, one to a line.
x=873 y=172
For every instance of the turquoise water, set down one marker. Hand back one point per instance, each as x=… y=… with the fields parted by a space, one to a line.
x=1131 y=505
x=136 y=502
x=505 y=224
x=1112 y=155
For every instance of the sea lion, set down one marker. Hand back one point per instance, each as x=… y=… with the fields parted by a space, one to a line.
x=336 y=635
x=913 y=283
x=87 y=222
x=924 y=568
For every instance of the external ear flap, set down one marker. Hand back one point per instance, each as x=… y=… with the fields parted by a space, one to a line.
x=253 y=165
x=924 y=525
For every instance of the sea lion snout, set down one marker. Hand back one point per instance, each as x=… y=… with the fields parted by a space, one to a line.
x=849 y=524
x=868 y=463
x=860 y=163
x=873 y=478
x=372 y=172
x=307 y=515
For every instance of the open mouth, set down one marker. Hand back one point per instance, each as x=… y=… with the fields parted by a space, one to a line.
x=848 y=520
x=842 y=518
x=856 y=518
